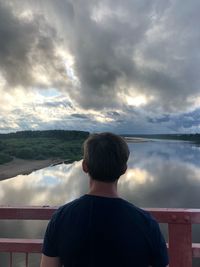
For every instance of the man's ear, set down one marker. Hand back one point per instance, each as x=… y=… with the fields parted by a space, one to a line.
x=84 y=166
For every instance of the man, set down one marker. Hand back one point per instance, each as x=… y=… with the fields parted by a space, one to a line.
x=100 y=229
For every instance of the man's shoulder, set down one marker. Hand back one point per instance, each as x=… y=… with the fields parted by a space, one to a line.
x=140 y=214
x=64 y=209
x=69 y=206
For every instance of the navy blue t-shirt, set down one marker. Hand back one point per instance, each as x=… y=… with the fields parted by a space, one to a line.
x=104 y=232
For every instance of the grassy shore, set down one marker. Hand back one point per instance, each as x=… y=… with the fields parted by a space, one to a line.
x=27 y=151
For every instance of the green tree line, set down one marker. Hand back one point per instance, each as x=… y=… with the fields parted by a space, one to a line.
x=53 y=144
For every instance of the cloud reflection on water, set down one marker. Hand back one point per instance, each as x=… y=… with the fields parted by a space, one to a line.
x=173 y=170
x=160 y=174
x=50 y=186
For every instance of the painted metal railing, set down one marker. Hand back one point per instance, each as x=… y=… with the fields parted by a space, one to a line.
x=179 y=221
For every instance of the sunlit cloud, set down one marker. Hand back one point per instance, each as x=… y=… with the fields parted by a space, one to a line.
x=54 y=186
x=26 y=15
x=133 y=57
x=137 y=101
x=69 y=63
x=136 y=176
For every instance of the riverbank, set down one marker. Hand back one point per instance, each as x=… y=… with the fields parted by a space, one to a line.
x=24 y=167
x=135 y=139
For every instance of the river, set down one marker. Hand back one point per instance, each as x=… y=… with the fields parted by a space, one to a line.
x=160 y=174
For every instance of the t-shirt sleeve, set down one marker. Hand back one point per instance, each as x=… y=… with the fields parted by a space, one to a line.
x=50 y=247
x=159 y=249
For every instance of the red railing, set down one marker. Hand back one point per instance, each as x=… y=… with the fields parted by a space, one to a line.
x=181 y=249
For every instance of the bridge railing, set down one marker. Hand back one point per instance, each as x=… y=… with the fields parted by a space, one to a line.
x=179 y=221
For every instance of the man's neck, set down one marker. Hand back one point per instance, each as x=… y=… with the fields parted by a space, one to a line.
x=103 y=189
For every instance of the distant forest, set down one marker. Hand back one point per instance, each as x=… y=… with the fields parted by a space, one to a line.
x=39 y=145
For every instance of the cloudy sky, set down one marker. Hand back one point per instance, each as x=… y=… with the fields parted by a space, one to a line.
x=128 y=66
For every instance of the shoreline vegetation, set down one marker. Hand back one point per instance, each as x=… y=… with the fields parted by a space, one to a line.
x=28 y=151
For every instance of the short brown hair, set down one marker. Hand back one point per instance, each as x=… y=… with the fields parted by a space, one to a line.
x=106 y=156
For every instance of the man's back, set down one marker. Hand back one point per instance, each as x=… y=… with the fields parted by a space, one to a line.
x=101 y=231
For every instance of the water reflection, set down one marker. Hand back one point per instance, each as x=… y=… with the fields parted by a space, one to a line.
x=160 y=174
x=170 y=173
x=50 y=186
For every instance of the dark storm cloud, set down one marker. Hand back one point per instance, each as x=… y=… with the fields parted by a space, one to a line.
x=26 y=43
x=113 y=113
x=183 y=122
x=55 y=104
x=80 y=116
x=163 y=118
x=107 y=37
x=104 y=56
x=178 y=50
x=188 y=120
x=119 y=48
x=103 y=50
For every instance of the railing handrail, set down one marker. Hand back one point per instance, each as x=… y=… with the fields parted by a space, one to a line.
x=27 y=212
x=163 y=215
x=181 y=249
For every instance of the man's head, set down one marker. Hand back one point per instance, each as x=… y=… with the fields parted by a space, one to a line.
x=105 y=157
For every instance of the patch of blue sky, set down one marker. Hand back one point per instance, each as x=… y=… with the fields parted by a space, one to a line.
x=50 y=180
x=50 y=92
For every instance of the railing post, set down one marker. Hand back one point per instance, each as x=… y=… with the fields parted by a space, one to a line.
x=180 y=245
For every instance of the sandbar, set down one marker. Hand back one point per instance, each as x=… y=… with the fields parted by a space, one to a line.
x=135 y=139
x=24 y=167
